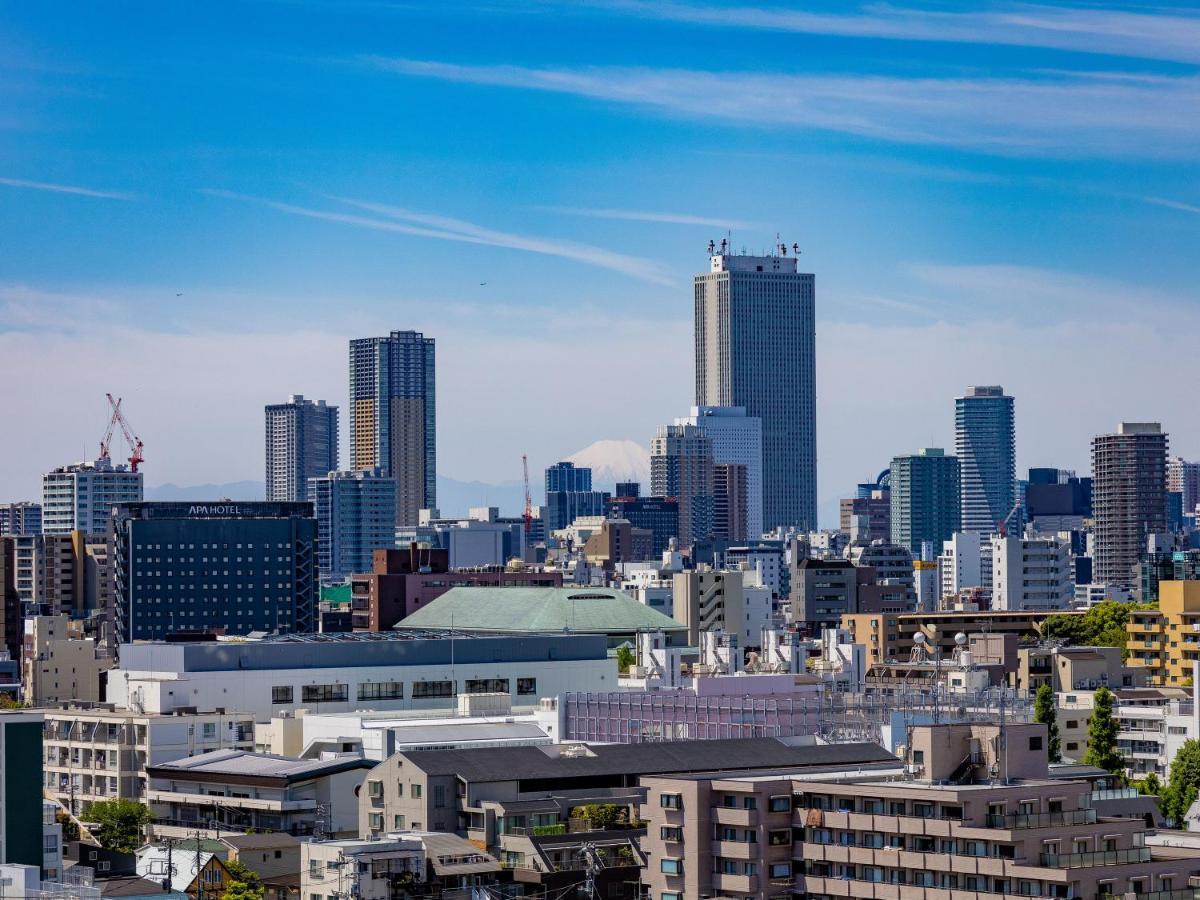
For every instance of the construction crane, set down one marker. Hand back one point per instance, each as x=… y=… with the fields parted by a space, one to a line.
x=528 y=498
x=1002 y=525
x=134 y=442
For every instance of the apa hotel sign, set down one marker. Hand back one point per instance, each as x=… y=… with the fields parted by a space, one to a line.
x=222 y=510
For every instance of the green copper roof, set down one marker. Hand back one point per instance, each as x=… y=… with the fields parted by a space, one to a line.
x=586 y=610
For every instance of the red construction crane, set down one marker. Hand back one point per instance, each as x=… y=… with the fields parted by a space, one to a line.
x=528 y=498
x=134 y=442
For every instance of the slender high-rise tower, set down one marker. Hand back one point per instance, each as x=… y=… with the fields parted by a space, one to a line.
x=985 y=442
x=1129 y=497
x=756 y=348
x=302 y=443
x=393 y=416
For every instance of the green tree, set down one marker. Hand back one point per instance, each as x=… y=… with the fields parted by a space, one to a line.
x=625 y=659
x=244 y=883
x=1149 y=786
x=1180 y=791
x=602 y=816
x=1045 y=712
x=1104 y=625
x=1102 y=735
x=119 y=823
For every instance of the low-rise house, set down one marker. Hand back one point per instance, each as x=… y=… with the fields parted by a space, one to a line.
x=274 y=856
x=196 y=873
x=390 y=865
x=231 y=791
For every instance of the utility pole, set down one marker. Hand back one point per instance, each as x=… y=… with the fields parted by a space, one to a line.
x=196 y=867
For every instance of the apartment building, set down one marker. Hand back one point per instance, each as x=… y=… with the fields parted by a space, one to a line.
x=974 y=812
x=1074 y=669
x=1166 y=641
x=890 y=637
x=732 y=601
x=534 y=808
x=60 y=665
x=242 y=791
x=97 y=752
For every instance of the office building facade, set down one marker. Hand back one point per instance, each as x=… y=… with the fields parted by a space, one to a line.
x=393 y=416
x=301 y=443
x=658 y=515
x=80 y=497
x=1129 y=498
x=924 y=499
x=985 y=443
x=569 y=495
x=755 y=345
x=681 y=466
x=234 y=566
x=736 y=440
x=355 y=517
x=730 y=502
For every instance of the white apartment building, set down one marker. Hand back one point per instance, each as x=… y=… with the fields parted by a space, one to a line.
x=966 y=562
x=101 y=753
x=1031 y=573
x=737 y=439
x=367 y=670
x=735 y=602
x=650 y=588
x=80 y=496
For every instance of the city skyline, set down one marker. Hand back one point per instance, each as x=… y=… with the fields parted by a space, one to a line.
x=182 y=290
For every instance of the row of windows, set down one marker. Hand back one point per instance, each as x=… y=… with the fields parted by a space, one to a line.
x=394 y=690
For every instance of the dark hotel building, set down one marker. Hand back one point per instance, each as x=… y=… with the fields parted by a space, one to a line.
x=232 y=566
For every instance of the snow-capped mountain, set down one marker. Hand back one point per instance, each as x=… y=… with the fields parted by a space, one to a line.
x=615 y=460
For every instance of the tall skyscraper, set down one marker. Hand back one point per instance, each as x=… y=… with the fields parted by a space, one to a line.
x=20 y=518
x=1129 y=497
x=393 y=416
x=1183 y=477
x=924 y=499
x=569 y=495
x=80 y=497
x=736 y=440
x=755 y=348
x=681 y=466
x=302 y=443
x=355 y=517
x=985 y=441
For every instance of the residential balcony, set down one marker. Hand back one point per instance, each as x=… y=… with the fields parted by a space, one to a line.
x=737 y=884
x=1098 y=858
x=1043 y=820
x=729 y=815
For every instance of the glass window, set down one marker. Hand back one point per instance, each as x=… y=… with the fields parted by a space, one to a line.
x=422 y=690
x=281 y=694
x=487 y=686
x=526 y=686
x=381 y=690
x=670 y=866
x=324 y=693
x=670 y=801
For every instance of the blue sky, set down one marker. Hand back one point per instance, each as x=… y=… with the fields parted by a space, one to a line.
x=201 y=203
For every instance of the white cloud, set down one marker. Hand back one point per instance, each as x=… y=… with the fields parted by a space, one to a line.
x=446 y=228
x=64 y=189
x=1068 y=114
x=1150 y=34
x=1173 y=204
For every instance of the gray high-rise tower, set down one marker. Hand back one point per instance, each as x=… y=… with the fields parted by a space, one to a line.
x=755 y=348
x=985 y=442
x=302 y=443
x=393 y=416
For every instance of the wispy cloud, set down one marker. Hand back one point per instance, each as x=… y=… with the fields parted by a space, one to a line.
x=638 y=215
x=1173 y=204
x=1154 y=34
x=65 y=189
x=1068 y=114
x=405 y=221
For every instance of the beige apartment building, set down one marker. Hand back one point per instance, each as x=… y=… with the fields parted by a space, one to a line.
x=95 y=752
x=59 y=664
x=970 y=814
